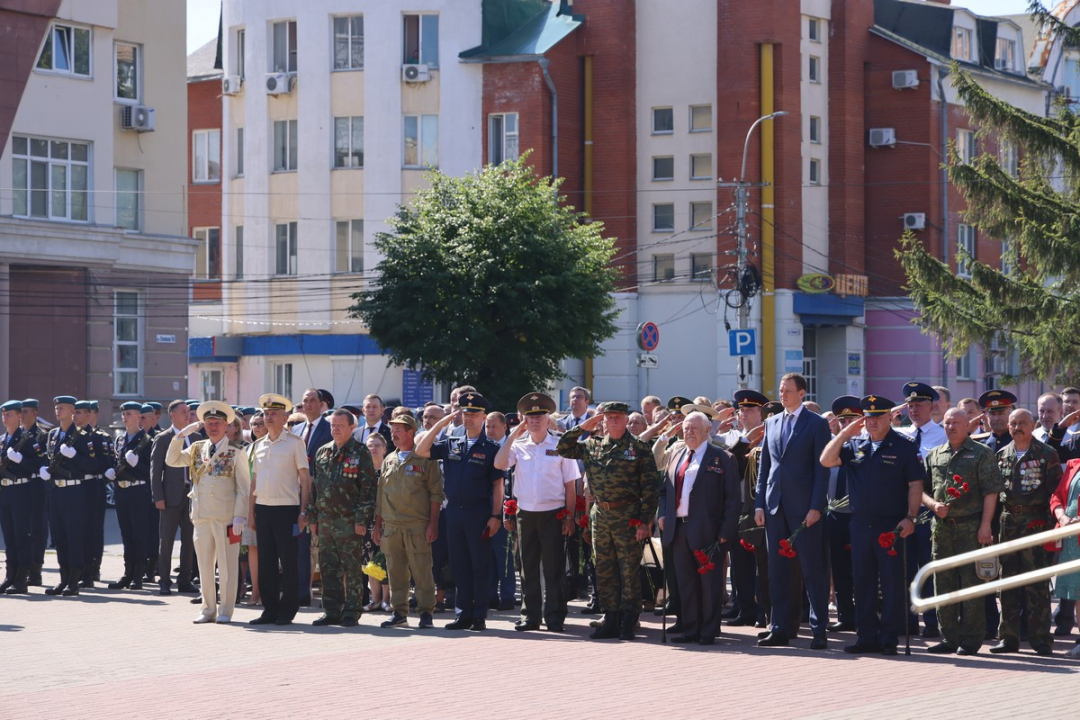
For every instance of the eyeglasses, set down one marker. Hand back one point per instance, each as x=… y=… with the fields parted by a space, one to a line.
x=294 y=423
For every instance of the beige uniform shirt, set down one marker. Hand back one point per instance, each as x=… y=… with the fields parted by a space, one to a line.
x=407 y=488
x=276 y=467
x=220 y=482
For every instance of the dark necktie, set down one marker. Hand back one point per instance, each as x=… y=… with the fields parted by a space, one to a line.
x=680 y=477
x=918 y=439
x=307 y=433
x=785 y=434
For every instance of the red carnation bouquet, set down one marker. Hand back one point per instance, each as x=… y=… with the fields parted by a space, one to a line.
x=787 y=547
x=704 y=558
x=955 y=489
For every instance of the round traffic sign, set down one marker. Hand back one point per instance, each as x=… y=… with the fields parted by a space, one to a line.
x=648 y=336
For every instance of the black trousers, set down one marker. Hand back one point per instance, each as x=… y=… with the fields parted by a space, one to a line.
x=67 y=521
x=39 y=520
x=278 y=575
x=744 y=581
x=94 y=543
x=15 y=522
x=131 y=505
x=838 y=531
x=542 y=546
x=701 y=597
x=177 y=516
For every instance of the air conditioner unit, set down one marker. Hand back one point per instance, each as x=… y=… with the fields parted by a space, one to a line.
x=413 y=73
x=882 y=137
x=137 y=117
x=231 y=84
x=279 y=84
x=1064 y=91
x=914 y=221
x=905 y=79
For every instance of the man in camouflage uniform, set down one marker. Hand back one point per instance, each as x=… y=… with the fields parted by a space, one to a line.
x=340 y=511
x=1031 y=471
x=623 y=480
x=963 y=472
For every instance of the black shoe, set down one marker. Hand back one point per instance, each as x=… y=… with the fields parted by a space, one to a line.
x=686 y=639
x=741 y=622
x=440 y=607
x=1042 y=650
x=395 y=621
x=840 y=627
x=889 y=650
x=493 y=604
x=525 y=625
x=56 y=590
x=262 y=620
x=35 y=579
x=136 y=583
x=195 y=600
x=478 y=625
x=187 y=588
x=324 y=620
x=74 y=578
x=590 y=610
x=706 y=641
x=283 y=621
x=609 y=628
x=554 y=626
x=349 y=621
x=967 y=651
x=990 y=635
x=676 y=629
x=122 y=584
x=164 y=589
x=425 y=621
x=627 y=625
x=87 y=583
x=764 y=634
x=1059 y=631
x=730 y=614
x=1004 y=647
x=941 y=648
x=819 y=643
x=462 y=623
x=761 y=624
x=773 y=640
x=930 y=631
x=860 y=647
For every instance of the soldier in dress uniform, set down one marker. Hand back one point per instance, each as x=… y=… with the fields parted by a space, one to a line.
x=149 y=415
x=474 y=505
x=20 y=458
x=749 y=557
x=996 y=405
x=39 y=517
x=72 y=459
x=130 y=471
x=625 y=485
x=847 y=409
x=94 y=488
x=1031 y=471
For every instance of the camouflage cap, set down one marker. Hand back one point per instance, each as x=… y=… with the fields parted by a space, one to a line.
x=613 y=406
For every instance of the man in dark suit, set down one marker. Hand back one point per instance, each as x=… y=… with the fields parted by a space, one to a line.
x=791 y=490
x=169 y=487
x=315 y=432
x=699 y=509
x=372 y=421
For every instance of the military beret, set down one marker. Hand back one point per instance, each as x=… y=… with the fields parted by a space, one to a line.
x=404 y=420
x=474 y=402
x=146 y=409
x=326 y=397
x=919 y=391
x=874 y=405
x=994 y=399
x=93 y=405
x=675 y=403
x=158 y=407
x=83 y=405
x=273 y=401
x=11 y=405
x=613 y=406
x=847 y=406
x=536 y=403
x=30 y=403
x=750 y=398
x=131 y=405
x=192 y=403
x=64 y=400
x=246 y=411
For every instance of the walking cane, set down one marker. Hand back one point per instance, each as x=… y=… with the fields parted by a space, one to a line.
x=907 y=610
x=663 y=573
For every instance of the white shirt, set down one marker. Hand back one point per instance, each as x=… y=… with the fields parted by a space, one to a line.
x=541 y=474
x=276 y=469
x=933 y=435
x=365 y=430
x=688 y=479
x=1039 y=433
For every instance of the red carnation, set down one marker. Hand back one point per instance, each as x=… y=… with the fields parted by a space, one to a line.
x=785 y=544
x=701 y=557
x=702 y=570
x=886 y=539
x=510 y=507
x=562 y=514
x=710 y=566
x=891 y=552
x=1050 y=546
x=634 y=522
x=579 y=504
x=583 y=521
x=1036 y=524
x=747 y=546
x=965 y=487
x=953 y=492
x=957 y=479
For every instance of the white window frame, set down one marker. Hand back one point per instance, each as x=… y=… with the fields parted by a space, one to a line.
x=663 y=178
x=697 y=173
x=239 y=152
x=290 y=62
x=240 y=58
x=814 y=130
x=694 y=128
x=422 y=147
x=292 y=254
x=204 y=254
x=663 y=228
x=119 y=372
x=68 y=163
x=813 y=73
x=503 y=143
x=965 y=238
x=138 y=193
x=201 y=170
x=1008 y=257
x=666 y=260
x=961 y=43
x=422 y=57
x=814 y=174
x=654 y=112
x=290 y=154
x=813 y=29
x=701 y=274
x=351 y=161
x=965 y=365
x=351 y=63
x=281 y=378
x=353 y=228
x=209 y=373
x=137 y=100
x=965 y=145
x=1005 y=50
x=697 y=208
x=1008 y=157
x=238 y=252
x=50 y=40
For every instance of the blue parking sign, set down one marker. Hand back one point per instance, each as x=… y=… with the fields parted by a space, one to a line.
x=742 y=342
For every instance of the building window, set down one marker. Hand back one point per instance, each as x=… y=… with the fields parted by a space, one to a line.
x=701 y=267
x=283 y=59
x=815 y=172
x=965 y=239
x=127 y=342
x=1005 y=59
x=66 y=50
x=663 y=121
x=663 y=168
x=701 y=167
x=206 y=156
x=663 y=217
x=422 y=40
x=663 y=268
x=240 y=152
x=211 y=381
x=127 y=72
x=285 y=142
x=813 y=30
x=50 y=178
x=815 y=69
x=421 y=140
x=281 y=378
x=128 y=194
x=502 y=138
x=241 y=52
x=238 y=258
x=1008 y=157
x=285 y=248
x=349 y=246
x=701 y=215
x=349 y=142
x=1008 y=257
x=815 y=129
x=701 y=118
x=961 y=43
x=965 y=365
x=965 y=145
x=349 y=43
x=208 y=253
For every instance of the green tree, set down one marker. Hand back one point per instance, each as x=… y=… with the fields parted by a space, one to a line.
x=490 y=280
x=1034 y=302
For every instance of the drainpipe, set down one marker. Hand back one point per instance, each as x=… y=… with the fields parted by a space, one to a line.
x=942 y=74
x=543 y=62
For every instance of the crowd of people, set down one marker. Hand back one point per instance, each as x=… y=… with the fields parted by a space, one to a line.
x=744 y=511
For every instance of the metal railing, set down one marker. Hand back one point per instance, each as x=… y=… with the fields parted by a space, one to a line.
x=920 y=604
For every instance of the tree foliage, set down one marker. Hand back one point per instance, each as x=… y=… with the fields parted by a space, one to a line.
x=1030 y=300
x=490 y=280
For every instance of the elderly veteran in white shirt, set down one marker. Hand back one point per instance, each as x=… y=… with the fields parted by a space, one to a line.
x=545 y=492
x=220 y=483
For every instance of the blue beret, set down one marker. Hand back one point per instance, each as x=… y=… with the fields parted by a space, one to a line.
x=146 y=409
x=192 y=403
x=156 y=406
x=93 y=404
x=64 y=400
x=83 y=405
x=11 y=405
x=131 y=405
x=30 y=403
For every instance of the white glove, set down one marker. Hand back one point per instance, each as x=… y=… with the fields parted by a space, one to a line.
x=131 y=458
x=110 y=474
x=67 y=451
x=44 y=473
x=13 y=456
x=238 y=525
x=189 y=429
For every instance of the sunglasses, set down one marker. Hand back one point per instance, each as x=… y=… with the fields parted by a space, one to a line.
x=294 y=423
